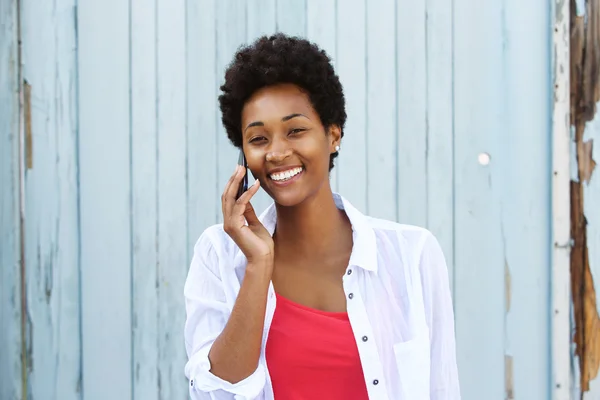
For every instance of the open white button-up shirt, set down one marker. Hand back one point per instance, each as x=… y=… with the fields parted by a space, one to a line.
x=397 y=294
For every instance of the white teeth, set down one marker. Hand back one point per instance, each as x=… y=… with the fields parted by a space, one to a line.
x=282 y=176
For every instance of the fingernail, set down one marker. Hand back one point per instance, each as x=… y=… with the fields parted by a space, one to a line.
x=256 y=182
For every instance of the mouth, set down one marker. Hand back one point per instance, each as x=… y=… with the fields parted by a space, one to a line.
x=284 y=178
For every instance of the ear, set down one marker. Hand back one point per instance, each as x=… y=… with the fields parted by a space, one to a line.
x=335 y=137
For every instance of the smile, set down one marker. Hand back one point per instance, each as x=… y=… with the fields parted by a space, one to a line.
x=286 y=175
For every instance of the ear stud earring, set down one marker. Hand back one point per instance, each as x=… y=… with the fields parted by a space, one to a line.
x=337 y=148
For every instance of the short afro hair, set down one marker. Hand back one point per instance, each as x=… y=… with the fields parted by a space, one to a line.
x=275 y=59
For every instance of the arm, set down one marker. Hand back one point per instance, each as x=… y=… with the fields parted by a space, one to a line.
x=440 y=319
x=223 y=344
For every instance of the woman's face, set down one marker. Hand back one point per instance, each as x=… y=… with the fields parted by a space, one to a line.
x=285 y=144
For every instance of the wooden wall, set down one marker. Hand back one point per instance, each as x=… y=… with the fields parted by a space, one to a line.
x=449 y=110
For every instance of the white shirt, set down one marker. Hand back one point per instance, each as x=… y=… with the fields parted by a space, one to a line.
x=397 y=295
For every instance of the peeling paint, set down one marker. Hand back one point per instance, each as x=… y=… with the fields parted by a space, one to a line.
x=509 y=382
x=584 y=93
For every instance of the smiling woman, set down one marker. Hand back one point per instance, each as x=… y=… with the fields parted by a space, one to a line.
x=313 y=300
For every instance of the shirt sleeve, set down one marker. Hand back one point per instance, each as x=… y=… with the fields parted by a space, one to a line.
x=207 y=312
x=440 y=319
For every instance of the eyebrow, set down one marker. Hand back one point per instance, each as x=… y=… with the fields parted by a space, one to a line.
x=284 y=119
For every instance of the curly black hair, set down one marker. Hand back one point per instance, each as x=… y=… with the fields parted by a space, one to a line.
x=281 y=59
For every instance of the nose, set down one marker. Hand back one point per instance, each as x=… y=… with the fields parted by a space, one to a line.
x=278 y=153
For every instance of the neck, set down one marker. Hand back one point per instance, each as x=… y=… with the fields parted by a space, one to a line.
x=311 y=228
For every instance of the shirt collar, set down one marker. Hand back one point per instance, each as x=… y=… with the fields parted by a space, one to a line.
x=364 y=250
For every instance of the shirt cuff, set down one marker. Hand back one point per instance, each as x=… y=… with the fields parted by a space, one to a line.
x=201 y=380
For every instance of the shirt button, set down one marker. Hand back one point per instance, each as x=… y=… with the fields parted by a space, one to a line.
x=350 y=296
x=349 y=271
x=192 y=383
x=364 y=338
x=375 y=382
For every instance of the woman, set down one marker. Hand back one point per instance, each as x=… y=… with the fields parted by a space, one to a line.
x=313 y=300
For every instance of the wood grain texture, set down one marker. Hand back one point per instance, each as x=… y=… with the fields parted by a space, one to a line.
x=525 y=197
x=479 y=253
x=144 y=200
x=105 y=198
x=203 y=120
x=440 y=129
x=411 y=112
x=381 y=102
x=172 y=197
x=10 y=242
x=51 y=201
x=351 y=66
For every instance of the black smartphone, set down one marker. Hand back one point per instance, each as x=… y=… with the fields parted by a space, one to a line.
x=244 y=184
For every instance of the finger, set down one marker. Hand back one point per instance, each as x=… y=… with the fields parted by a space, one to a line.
x=229 y=194
x=244 y=200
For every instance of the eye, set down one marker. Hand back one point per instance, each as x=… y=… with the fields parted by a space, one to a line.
x=257 y=139
x=296 y=131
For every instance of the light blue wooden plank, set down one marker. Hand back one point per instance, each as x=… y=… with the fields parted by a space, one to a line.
x=203 y=119
x=52 y=234
x=10 y=242
x=321 y=28
x=144 y=201
x=382 y=173
x=105 y=198
x=291 y=17
x=440 y=146
x=261 y=20
x=173 y=254
x=479 y=242
x=411 y=111
x=526 y=209
x=351 y=66
x=231 y=33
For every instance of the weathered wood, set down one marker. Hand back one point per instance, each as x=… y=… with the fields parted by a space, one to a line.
x=479 y=237
x=105 y=198
x=411 y=112
x=173 y=256
x=11 y=377
x=381 y=102
x=351 y=66
x=525 y=149
x=144 y=210
x=51 y=200
x=440 y=129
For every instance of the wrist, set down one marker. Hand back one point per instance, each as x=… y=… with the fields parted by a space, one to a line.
x=260 y=269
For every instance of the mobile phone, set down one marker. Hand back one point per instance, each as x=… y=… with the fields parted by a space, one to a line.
x=244 y=184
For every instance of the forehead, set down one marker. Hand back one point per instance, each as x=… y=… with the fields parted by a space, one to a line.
x=275 y=102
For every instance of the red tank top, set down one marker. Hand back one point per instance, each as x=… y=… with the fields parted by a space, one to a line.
x=312 y=354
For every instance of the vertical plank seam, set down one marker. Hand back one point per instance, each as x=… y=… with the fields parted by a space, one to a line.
x=21 y=168
x=78 y=199
x=366 y=126
x=426 y=116
x=453 y=114
x=396 y=118
x=131 y=227
x=217 y=109
x=156 y=196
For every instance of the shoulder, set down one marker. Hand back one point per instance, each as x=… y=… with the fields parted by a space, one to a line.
x=410 y=237
x=214 y=242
